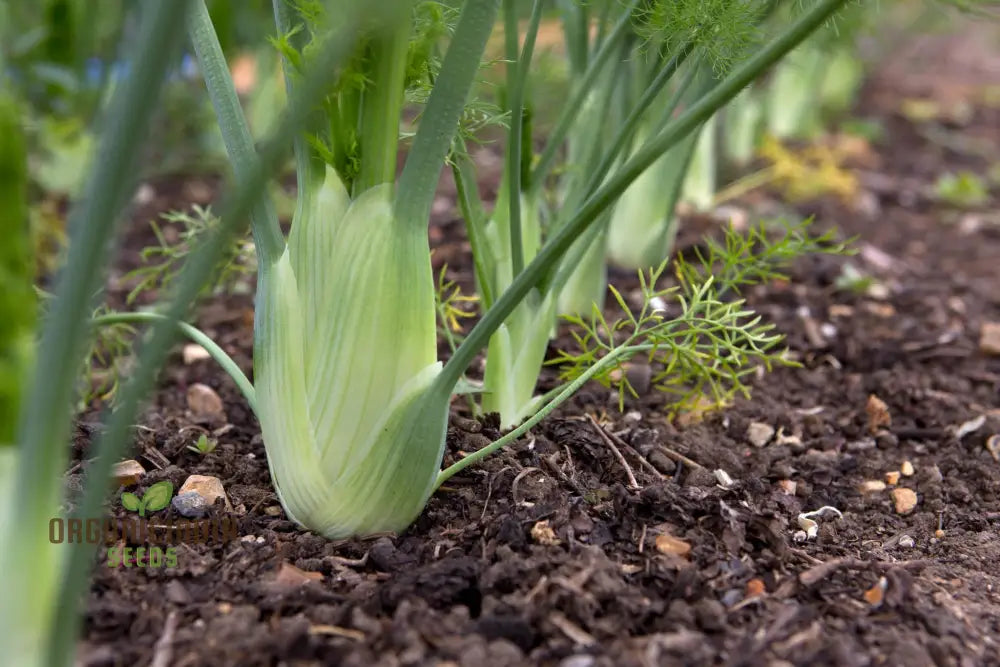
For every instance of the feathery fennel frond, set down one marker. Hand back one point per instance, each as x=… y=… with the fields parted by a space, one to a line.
x=700 y=343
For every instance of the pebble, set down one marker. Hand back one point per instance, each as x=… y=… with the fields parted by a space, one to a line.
x=190 y=504
x=906 y=542
x=904 y=500
x=193 y=352
x=208 y=487
x=759 y=433
x=892 y=477
x=989 y=338
x=668 y=544
x=127 y=473
x=906 y=469
x=788 y=487
x=878 y=413
x=871 y=486
x=204 y=402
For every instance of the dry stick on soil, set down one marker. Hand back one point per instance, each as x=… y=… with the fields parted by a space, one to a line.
x=634 y=452
x=680 y=458
x=550 y=462
x=517 y=480
x=489 y=490
x=164 y=651
x=819 y=572
x=618 y=455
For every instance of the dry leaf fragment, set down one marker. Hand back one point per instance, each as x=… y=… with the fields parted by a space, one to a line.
x=543 y=534
x=292 y=577
x=876 y=594
x=969 y=427
x=668 y=544
x=993 y=446
x=878 y=413
x=755 y=587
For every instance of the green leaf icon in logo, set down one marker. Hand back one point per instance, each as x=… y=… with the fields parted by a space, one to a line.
x=156 y=498
x=131 y=502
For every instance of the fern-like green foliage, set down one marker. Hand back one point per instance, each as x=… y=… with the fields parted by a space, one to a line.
x=721 y=31
x=161 y=263
x=698 y=336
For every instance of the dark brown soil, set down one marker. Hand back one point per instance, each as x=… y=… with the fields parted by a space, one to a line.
x=545 y=555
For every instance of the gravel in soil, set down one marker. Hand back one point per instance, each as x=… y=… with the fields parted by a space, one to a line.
x=617 y=540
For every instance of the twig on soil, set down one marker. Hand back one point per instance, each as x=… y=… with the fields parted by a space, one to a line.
x=571 y=629
x=634 y=452
x=517 y=480
x=164 y=650
x=348 y=562
x=819 y=572
x=337 y=631
x=618 y=455
x=677 y=456
x=489 y=489
x=550 y=462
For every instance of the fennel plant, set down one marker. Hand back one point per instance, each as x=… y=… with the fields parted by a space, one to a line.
x=332 y=300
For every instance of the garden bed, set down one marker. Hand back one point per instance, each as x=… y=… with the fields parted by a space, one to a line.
x=608 y=538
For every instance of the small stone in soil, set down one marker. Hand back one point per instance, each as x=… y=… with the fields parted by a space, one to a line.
x=989 y=338
x=759 y=433
x=668 y=544
x=208 y=487
x=190 y=504
x=871 y=486
x=906 y=542
x=892 y=477
x=788 y=487
x=906 y=469
x=904 y=500
x=202 y=401
x=878 y=413
x=128 y=473
x=193 y=352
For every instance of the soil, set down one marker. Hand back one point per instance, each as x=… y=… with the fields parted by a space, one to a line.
x=548 y=554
